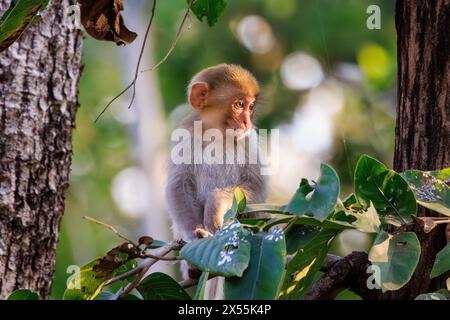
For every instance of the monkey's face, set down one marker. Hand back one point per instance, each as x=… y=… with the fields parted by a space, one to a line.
x=225 y=96
x=231 y=109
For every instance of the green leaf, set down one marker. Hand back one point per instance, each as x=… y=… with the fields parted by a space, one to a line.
x=156 y=244
x=211 y=9
x=127 y=267
x=316 y=201
x=239 y=204
x=263 y=207
x=438 y=295
x=350 y=200
x=388 y=191
x=86 y=284
x=367 y=221
x=160 y=286
x=353 y=203
x=227 y=253
x=261 y=279
x=442 y=262
x=23 y=294
x=302 y=269
x=298 y=236
x=326 y=224
x=106 y=295
x=430 y=188
x=396 y=257
x=129 y=297
x=201 y=286
x=17 y=18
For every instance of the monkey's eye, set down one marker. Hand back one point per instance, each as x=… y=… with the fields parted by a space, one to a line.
x=238 y=104
x=252 y=106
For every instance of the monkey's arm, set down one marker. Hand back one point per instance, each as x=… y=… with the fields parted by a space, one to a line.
x=220 y=200
x=184 y=208
x=217 y=204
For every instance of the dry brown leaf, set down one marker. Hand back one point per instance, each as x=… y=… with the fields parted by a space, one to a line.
x=103 y=21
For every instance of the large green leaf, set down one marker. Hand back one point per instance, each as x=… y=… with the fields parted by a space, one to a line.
x=431 y=188
x=262 y=278
x=298 y=236
x=227 y=253
x=396 y=257
x=442 y=262
x=211 y=9
x=386 y=189
x=17 y=18
x=318 y=200
x=23 y=294
x=160 y=286
x=302 y=269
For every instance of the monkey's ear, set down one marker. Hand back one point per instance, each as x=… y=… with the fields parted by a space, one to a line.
x=198 y=94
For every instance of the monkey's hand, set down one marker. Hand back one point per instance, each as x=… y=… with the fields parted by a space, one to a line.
x=188 y=270
x=202 y=233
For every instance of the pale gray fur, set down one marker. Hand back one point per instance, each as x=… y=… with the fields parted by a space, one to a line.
x=193 y=188
x=199 y=195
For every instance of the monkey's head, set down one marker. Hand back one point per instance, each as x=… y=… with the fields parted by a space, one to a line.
x=225 y=97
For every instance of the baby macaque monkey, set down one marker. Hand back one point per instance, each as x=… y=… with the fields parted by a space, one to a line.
x=199 y=194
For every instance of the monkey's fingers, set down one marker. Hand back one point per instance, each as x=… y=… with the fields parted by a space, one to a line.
x=202 y=233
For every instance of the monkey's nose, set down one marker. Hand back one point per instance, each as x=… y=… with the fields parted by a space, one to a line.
x=246 y=124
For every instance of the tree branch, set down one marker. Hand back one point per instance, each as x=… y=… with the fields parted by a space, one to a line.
x=348 y=272
x=142 y=268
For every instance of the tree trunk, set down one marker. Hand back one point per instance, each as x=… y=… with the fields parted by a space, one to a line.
x=423 y=114
x=39 y=77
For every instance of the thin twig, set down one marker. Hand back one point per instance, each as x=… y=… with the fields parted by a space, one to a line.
x=136 y=280
x=175 y=41
x=112 y=100
x=110 y=227
x=286 y=227
x=149 y=255
x=124 y=275
x=146 y=264
x=133 y=83
x=136 y=73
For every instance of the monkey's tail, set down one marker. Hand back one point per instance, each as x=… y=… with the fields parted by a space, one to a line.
x=214 y=289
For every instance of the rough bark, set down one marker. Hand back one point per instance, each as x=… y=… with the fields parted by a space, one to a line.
x=39 y=77
x=423 y=114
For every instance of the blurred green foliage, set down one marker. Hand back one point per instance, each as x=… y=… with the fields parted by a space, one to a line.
x=330 y=31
